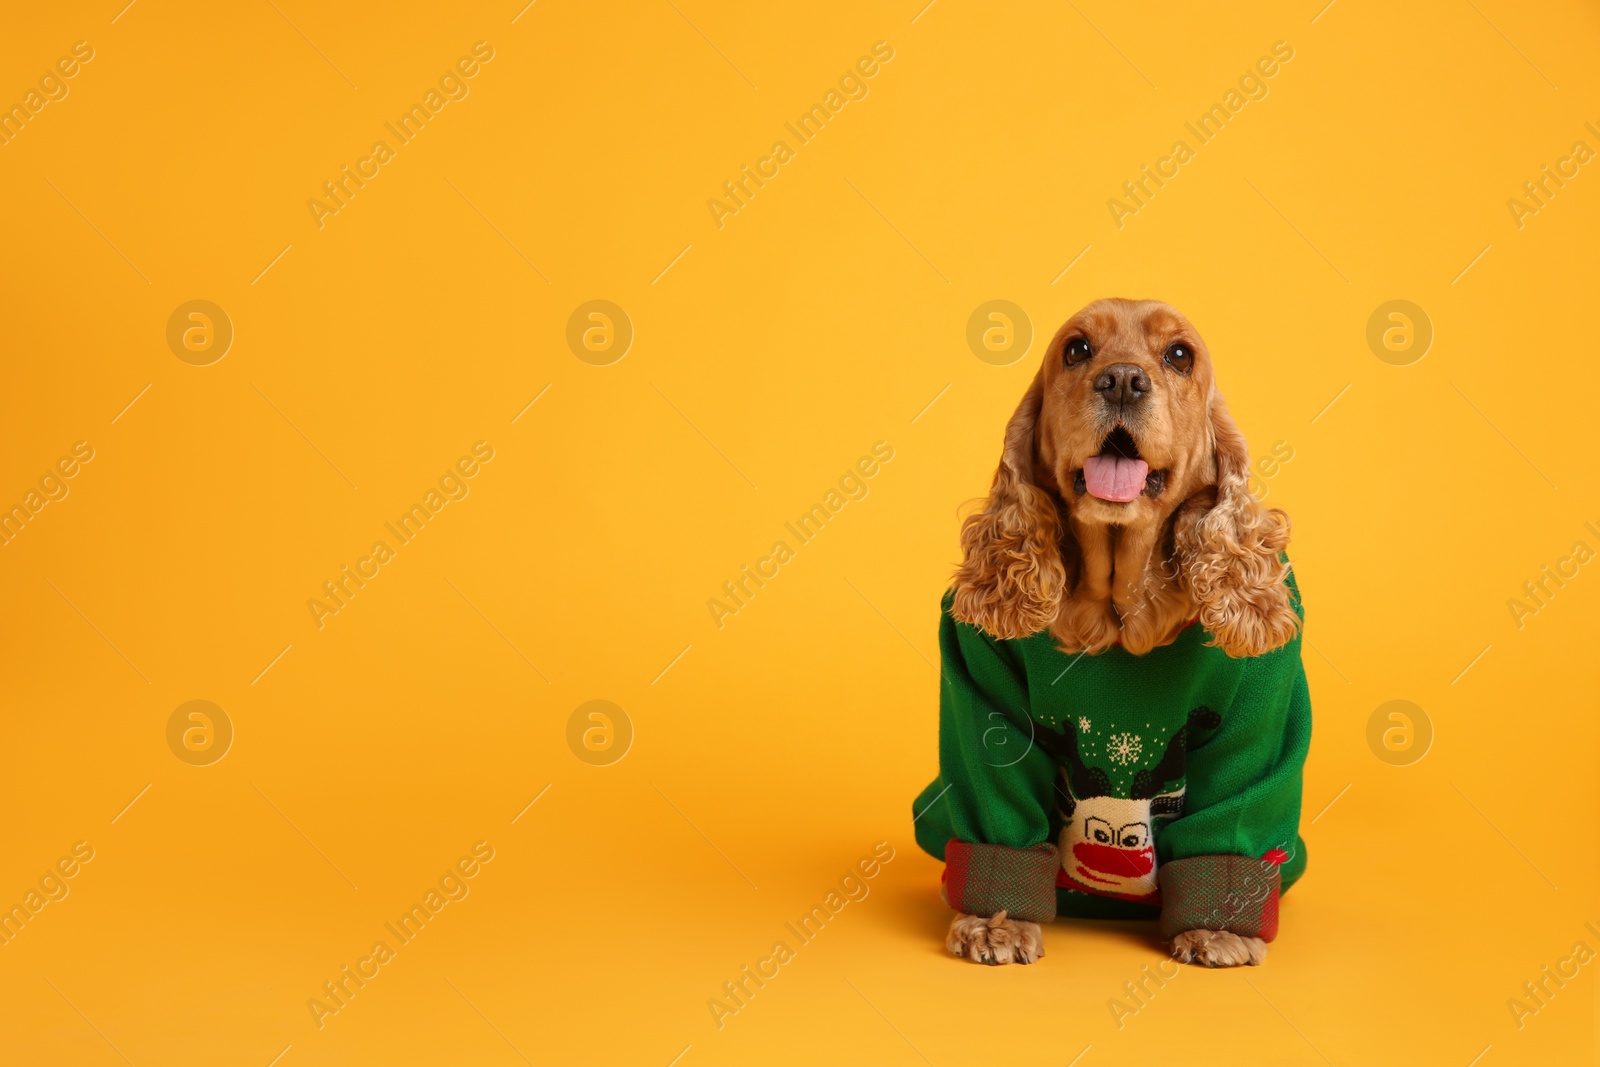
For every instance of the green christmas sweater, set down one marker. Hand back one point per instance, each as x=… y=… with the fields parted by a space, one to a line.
x=1116 y=785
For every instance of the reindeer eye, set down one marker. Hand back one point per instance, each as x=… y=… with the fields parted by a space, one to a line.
x=1076 y=351
x=1179 y=356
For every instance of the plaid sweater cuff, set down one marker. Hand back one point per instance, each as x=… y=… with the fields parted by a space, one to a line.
x=987 y=879
x=1234 y=893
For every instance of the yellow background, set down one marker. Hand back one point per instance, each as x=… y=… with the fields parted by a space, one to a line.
x=823 y=317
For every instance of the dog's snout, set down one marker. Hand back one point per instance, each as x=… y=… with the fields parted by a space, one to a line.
x=1122 y=383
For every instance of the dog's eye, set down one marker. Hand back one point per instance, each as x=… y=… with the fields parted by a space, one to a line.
x=1179 y=356
x=1077 y=350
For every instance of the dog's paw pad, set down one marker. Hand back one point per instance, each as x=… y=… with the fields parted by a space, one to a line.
x=995 y=940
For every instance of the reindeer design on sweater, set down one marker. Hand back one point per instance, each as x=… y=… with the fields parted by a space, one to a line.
x=1107 y=842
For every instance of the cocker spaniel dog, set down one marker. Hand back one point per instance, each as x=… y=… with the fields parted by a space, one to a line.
x=1123 y=712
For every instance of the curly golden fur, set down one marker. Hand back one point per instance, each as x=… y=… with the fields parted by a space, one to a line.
x=1046 y=554
x=1013 y=577
x=995 y=940
x=1218 y=948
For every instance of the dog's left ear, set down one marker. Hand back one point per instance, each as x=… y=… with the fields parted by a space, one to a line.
x=1230 y=553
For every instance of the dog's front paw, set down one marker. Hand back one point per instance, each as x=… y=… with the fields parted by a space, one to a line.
x=1218 y=948
x=994 y=940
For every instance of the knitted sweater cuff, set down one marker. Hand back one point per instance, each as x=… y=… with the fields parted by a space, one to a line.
x=1234 y=893
x=987 y=879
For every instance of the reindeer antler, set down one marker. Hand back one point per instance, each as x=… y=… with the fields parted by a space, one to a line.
x=1063 y=747
x=1147 y=783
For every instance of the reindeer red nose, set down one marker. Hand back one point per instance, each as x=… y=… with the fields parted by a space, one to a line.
x=1121 y=862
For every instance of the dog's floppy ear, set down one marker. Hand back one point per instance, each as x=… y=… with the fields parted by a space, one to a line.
x=1011 y=577
x=1230 y=553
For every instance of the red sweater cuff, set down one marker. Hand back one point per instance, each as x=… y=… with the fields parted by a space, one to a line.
x=987 y=879
x=1234 y=893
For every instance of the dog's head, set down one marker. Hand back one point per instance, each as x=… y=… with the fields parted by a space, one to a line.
x=1121 y=492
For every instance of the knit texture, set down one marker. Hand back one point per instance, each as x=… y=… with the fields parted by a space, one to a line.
x=1220 y=893
x=1126 y=763
x=985 y=879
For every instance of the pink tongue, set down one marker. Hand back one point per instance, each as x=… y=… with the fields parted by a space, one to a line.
x=1114 y=478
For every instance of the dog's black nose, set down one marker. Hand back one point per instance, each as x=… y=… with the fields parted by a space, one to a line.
x=1122 y=383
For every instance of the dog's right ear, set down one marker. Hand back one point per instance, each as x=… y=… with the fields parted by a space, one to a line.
x=1011 y=579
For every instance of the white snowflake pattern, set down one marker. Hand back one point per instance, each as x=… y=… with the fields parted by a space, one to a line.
x=1124 y=748
x=1083 y=723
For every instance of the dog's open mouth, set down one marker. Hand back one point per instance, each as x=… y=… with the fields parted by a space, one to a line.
x=1119 y=474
